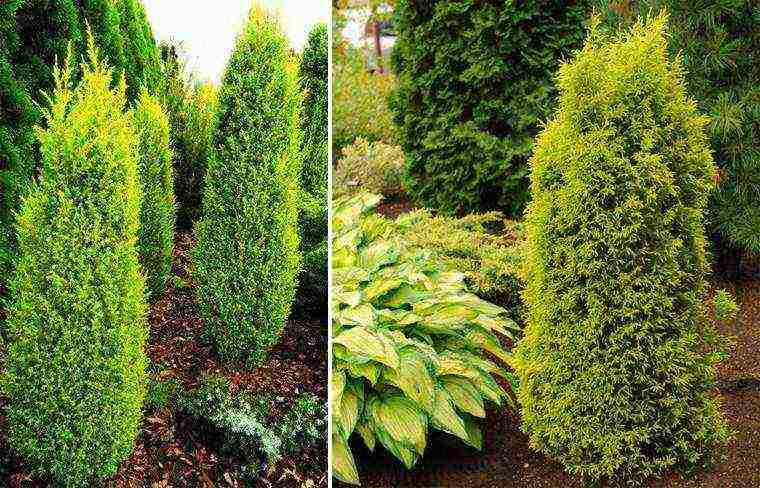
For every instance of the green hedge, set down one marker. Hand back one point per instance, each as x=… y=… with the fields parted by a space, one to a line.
x=617 y=357
x=142 y=65
x=74 y=368
x=312 y=291
x=471 y=97
x=719 y=42
x=247 y=258
x=155 y=243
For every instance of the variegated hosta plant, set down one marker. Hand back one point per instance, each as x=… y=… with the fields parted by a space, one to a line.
x=412 y=348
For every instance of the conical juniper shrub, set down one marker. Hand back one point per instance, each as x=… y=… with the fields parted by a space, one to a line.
x=471 y=96
x=719 y=42
x=155 y=243
x=142 y=64
x=74 y=369
x=35 y=35
x=312 y=291
x=247 y=258
x=618 y=355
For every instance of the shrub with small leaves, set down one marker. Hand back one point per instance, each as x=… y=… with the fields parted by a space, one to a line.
x=312 y=287
x=360 y=103
x=618 y=354
x=74 y=368
x=247 y=259
x=155 y=242
x=485 y=247
x=725 y=306
x=374 y=167
x=719 y=42
x=412 y=347
x=474 y=85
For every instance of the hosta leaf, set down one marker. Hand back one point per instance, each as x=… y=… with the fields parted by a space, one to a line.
x=337 y=385
x=465 y=395
x=474 y=434
x=402 y=451
x=369 y=370
x=364 y=315
x=368 y=344
x=375 y=255
x=349 y=409
x=350 y=298
x=343 y=465
x=401 y=419
x=413 y=378
x=405 y=295
x=367 y=435
x=445 y=417
x=381 y=287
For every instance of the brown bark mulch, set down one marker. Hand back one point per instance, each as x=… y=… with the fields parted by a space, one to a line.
x=170 y=450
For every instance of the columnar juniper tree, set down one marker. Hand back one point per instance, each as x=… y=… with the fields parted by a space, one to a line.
x=312 y=292
x=475 y=80
x=33 y=35
x=719 y=42
x=617 y=358
x=74 y=369
x=156 y=237
x=247 y=257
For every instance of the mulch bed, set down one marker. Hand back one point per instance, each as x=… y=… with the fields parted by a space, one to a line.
x=170 y=450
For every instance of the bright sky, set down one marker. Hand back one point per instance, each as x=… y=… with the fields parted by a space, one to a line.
x=207 y=30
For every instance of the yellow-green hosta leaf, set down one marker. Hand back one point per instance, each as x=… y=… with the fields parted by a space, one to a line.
x=369 y=370
x=445 y=417
x=368 y=344
x=343 y=465
x=488 y=342
x=396 y=318
x=367 y=435
x=381 y=287
x=348 y=410
x=375 y=255
x=337 y=386
x=401 y=419
x=474 y=434
x=350 y=298
x=465 y=395
x=364 y=315
x=402 y=451
x=413 y=378
x=405 y=295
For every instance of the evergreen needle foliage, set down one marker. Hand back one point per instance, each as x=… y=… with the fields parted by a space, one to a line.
x=719 y=42
x=34 y=35
x=474 y=82
x=247 y=258
x=312 y=292
x=617 y=356
x=156 y=237
x=74 y=371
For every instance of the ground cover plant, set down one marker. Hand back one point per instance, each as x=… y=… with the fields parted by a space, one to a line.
x=616 y=268
x=410 y=343
x=470 y=98
x=251 y=192
x=78 y=305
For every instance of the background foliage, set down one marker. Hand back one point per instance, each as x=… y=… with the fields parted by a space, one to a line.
x=155 y=242
x=617 y=356
x=719 y=42
x=375 y=167
x=470 y=98
x=312 y=290
x=247 y=258
x=74 y=369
